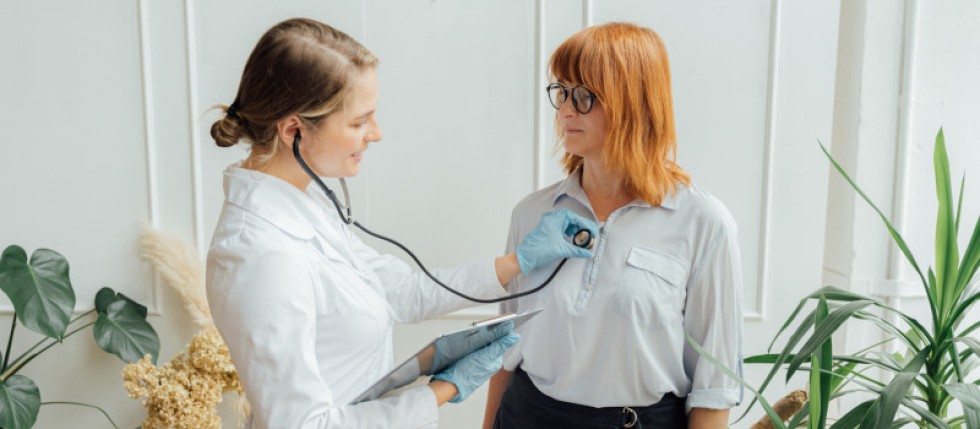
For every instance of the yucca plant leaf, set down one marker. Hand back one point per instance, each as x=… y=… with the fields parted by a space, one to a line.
x=908 y=402
x=962 y=310
x=889 y=358
x=872 y=363
x=972 y=343
x=822 y=358
x=900 y=423
x=959 y=202
x=971 y=259
x=784 y=355
x=972 y=418
x=969 y=330
x=895 y=392
x=776 y=421
x=954 y=357
x=967 y=393
x=969 y=396
x=40 y=290
x=895 y=235
x=843 y=371
x=823 y=331
x=853 y=417
x=947 y=251
x=789 y=321
x=888 y=328
x=766 y=358
x=831 y=293
x=834 y=294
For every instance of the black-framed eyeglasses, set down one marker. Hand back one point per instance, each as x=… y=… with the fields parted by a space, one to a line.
x=582 y=98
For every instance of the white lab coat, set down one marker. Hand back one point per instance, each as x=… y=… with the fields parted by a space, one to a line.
x=307 y=309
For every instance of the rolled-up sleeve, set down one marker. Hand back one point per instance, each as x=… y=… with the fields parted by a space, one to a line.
x=713 y=318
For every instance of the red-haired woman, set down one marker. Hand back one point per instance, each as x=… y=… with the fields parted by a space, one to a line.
x=610 y=350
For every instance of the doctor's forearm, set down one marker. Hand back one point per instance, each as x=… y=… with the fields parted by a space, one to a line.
x=507 y=268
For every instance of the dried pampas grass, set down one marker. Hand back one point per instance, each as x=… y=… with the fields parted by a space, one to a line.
x=181 y=268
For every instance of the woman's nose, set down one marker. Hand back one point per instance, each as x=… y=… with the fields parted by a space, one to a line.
x=567 y=109
x=375 y=134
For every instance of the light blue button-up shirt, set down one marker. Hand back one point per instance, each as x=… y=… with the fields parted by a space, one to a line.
x=612 y=332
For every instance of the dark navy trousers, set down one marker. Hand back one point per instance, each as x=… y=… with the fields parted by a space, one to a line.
x=523 y=406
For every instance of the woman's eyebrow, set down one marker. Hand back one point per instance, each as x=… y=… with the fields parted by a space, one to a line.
x=364 y=116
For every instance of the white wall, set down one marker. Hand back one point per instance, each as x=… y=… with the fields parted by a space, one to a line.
x=106 y=104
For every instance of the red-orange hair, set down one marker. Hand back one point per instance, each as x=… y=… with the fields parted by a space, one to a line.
x=626 y=66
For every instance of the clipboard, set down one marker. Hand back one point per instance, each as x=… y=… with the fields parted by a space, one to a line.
x=420 y=365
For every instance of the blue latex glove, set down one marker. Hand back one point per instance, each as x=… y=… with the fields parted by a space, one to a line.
x=476 y=368
x=448 y=349
x=549 y=242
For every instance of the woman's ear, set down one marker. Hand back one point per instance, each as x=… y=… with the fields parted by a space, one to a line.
x=287 y=128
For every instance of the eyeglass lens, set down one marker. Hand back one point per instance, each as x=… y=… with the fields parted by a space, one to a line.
x=581 y=97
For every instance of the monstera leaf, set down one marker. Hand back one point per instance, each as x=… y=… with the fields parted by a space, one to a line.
x=40 y=289
x=20 y=401
x=107 y=296
x=122 y=330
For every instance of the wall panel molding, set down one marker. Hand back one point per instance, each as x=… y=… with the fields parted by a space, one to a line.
x=540 y=155
x=149 y=137
x=190 y=46
x=772 y=88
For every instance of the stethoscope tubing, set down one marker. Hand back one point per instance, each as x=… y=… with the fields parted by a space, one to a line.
x=348 y=219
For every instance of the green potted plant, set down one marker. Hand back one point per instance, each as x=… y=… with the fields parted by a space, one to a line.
x=936 y=366
x=43 y=299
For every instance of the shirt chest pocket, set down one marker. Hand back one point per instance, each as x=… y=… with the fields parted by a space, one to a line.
x=651 y=292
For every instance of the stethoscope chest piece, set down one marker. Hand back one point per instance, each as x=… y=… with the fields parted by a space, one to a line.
x=584 y=239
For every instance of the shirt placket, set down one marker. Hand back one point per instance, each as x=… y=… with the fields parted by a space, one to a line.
x=590 y=281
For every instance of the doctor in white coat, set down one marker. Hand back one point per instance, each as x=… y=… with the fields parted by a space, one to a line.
x=306 y=308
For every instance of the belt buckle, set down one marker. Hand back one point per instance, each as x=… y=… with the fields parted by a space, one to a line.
x=633 y=417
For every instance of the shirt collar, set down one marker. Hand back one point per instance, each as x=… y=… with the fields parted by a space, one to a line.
x=572 y=187
x=272 y=199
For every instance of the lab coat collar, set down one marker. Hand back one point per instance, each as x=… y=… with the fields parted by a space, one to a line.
x=272 y=199
x=572 y=187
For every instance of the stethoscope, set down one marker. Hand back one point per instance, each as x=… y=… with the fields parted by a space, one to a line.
x=582 y=238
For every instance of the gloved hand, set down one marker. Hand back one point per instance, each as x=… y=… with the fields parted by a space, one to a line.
x=449 y=349
x=548 y=242
x=476 y=368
